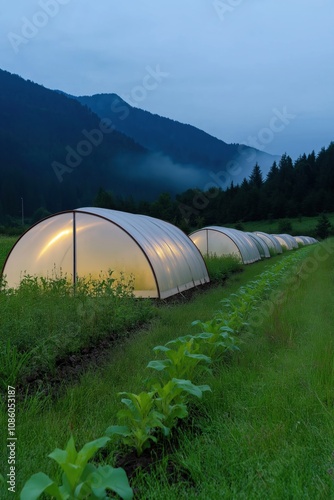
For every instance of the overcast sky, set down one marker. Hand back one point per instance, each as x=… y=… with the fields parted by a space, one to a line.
x=256 y=72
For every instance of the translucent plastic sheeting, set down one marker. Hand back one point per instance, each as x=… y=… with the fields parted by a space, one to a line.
x=285 y=241
x=175 y=260
x=261 y=246
x=290 y=239
x=305 y=240
x=216 y=240
x=272 y=242
x=160 y=257
x=301 y=240
x=45 y=250
x=215 y=243
x=101 y=245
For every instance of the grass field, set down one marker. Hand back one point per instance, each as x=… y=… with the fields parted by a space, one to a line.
x=303 y=226
x=6 y=243
x=266 y=430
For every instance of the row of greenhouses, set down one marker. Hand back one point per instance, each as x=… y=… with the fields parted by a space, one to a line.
x=248 y=247
x=161 y=259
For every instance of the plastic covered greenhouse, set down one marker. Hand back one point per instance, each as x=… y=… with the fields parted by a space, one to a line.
x=261 y=245
x=271 y=241
x=305 y=240
x=88 y=241
x=216 y=240
x=286 y=241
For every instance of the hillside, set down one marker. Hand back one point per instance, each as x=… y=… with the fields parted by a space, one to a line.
x=184 y=144
x=43 y=158
x=56 y=152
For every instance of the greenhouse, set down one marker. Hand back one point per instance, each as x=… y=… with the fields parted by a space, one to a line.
x=261 y=245
x=305 y=240
x=271 y=241
x=89 y=241
x=220 y=241
x=286 y=241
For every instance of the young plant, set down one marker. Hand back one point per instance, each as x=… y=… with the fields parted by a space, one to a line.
x=216 y=337
x=230 y=316
x=213 y=326
x=171 y=400
x=80 y=479
x=181 y=362
x=141 y=421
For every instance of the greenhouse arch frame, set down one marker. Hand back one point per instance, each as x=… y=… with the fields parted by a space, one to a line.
x=222 y=241
x=86 y=241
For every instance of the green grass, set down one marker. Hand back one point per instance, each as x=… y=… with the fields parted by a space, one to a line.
x=48 y=321
x=90 y=406
x=267 y=429
x=244 y=440
x=300 y=225
x=6 y=243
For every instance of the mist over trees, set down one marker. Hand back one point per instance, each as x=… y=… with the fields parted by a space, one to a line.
x=291 y=189
x=57 y=154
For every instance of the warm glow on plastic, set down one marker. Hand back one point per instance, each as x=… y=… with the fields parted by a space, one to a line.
x=60 y=235
x=157 y=258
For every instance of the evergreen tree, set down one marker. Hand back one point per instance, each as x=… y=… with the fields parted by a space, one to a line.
x=164 y=208
x=323 y=227
x=273 y=173
x=256 y=177
x=104 y=199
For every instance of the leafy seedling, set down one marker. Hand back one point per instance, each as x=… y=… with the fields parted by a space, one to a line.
x=141 y=421
x=80 y=479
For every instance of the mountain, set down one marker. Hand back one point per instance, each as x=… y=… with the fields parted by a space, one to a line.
x=57 y=151
x=186 y=145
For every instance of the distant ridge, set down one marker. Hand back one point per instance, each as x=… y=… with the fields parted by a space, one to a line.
x=184 y=144
x=41 y=131
x=56 y=151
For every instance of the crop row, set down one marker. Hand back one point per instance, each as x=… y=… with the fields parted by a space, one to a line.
x=175 y=376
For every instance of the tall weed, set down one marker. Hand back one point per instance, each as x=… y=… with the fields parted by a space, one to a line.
x=46 y=319
x=220 y=268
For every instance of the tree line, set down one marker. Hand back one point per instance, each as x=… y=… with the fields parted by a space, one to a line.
x=291 y=189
